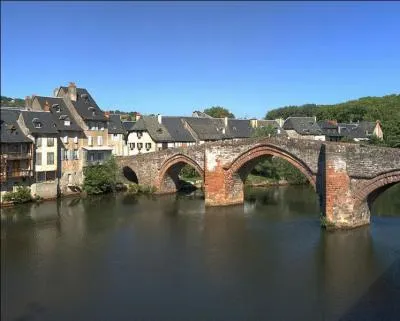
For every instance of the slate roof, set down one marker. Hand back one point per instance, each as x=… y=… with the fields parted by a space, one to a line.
x=176 y=128
x=329 y=128
x=344 y=129
x=59 y=112
x=115 y=125
x=364 y=129
x=9 y=128
x=86 y=106
x=44 y=118
x=158 y=132
x=239 y=128
x=128 y=125
x=302 y=125
x=208 y=128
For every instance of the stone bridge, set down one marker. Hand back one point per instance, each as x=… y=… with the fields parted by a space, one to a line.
x=346 y=177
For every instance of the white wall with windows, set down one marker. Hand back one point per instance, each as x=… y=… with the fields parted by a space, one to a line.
x=140 y=142
x=46 y=157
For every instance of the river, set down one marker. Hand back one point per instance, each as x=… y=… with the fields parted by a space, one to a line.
x=171 y=258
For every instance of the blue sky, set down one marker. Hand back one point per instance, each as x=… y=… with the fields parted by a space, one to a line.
x=176 y=57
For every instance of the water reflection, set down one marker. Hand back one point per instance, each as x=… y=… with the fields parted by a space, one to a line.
x=155 y=258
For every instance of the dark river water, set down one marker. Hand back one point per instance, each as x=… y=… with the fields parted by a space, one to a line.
x=170 y=258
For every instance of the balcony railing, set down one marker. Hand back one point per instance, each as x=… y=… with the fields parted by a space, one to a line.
x=16 y=155
x=20 y=173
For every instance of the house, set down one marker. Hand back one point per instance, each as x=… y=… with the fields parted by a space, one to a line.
x=116 y=135
x=364 y=130
x=16 y=153
x=303 y=127
x=207 y=129
x=91 y=119
x=71 y=140
x=330 y=129
x=148 y=134
x=40 y=127
x=178 y=129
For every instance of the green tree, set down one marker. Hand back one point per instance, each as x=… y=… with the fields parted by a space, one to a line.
x=218 y=112
x=266 y=131
x=101 y=178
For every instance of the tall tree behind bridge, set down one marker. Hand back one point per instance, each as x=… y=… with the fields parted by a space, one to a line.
x=218 y=112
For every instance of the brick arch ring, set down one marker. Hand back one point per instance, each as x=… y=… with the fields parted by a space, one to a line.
x=269 y=149
x=363 y=189
x=173 y=160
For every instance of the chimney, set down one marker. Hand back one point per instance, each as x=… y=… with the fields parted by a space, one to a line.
x=226 y=121
x=253 y=123
x=315 y=119
x=280 y=121
x=72 y=91
x=138 y=116
x=55 y=92
x=107 y=114
x=46 y=106
x=159 y=118
x=28 y=102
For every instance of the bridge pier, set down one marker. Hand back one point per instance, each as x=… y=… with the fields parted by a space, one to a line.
x=341 y=208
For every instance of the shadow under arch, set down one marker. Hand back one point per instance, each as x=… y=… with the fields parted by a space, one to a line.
x=168 y=177
x=369 y=190
x=130 y=174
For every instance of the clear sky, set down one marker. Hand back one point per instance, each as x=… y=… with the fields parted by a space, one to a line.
x=176 y=57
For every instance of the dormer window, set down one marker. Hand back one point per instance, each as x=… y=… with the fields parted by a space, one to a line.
x=36 y=123
x=67 y=123
x=56 y=107
x=139 y=134
x=85 y=97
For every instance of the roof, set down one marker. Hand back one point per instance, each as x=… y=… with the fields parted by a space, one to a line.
x=39 y=122
x=59 y=112
x=239 y=128
x=10 y=130
x=364 y=129
x=86 y=106
x=328 y=124
x=208 y=128
x=158 y=132
x=115 y=125
x=177 y=129
x=302 y=125
x=128 y=125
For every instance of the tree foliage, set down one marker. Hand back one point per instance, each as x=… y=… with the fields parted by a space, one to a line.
x=265 y=131
x=386 y=109
x=101 y=178
x=12 y=102
x=21 y=195
x=218 y=112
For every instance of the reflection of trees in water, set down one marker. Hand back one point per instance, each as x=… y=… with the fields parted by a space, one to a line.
x=388 y=203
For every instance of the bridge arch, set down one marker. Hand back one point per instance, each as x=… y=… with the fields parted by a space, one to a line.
x=168 y=179
x=252 y=156
x=130 y=174
x=367 y=191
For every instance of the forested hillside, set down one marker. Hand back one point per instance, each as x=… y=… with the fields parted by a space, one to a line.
x=12 y=102
x=386 y=109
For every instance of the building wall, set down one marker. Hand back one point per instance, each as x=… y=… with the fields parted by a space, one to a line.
x=144 y=139
x=44 y=149
x=117 y=142
x=71 y=169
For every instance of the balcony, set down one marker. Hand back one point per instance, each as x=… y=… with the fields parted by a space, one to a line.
x=16 y=155
x=20 y=173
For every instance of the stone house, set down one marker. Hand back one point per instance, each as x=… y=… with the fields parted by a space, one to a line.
x=178 y=130
x=303 y=128
x=16 y=153
x=71 y=140
x=148 y=134
x=40 y=127
x=91 y=119
x=364 y=130
x=116 y=135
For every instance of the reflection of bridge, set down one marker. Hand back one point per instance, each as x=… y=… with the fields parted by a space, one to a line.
x=347 y=177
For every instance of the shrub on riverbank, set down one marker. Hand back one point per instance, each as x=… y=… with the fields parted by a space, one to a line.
x=141 y=189
x=21 y=195
x=100 y=179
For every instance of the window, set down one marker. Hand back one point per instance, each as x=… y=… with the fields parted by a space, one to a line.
x=39 y=142
x=132 y=146
x=50 y=141
x=99 y=140
x=76 y=139
x=148 y=146
x=139 y=134
x=37 y=124
x=40 y=176
x=75 y=154
x=139 y=146
x=67 y=123
x=39 y=159
x=90 y=140
x=50 y=158
x=115 y=137
x=64 y=154
x=100 y=156
x=50 y=176
x=65 y=139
